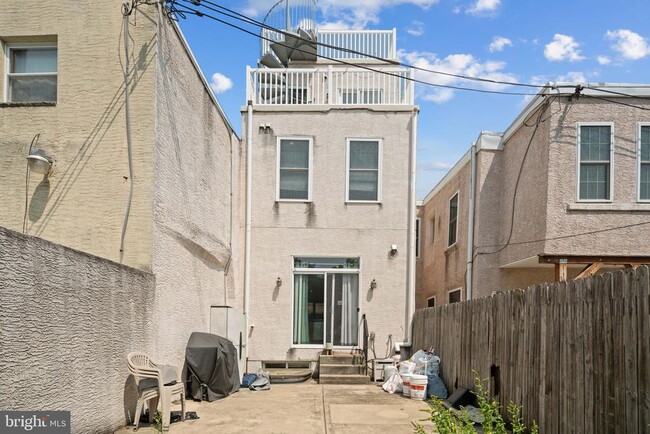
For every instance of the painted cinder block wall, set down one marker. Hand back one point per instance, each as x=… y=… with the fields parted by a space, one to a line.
x=85 y=315
x=327 y=226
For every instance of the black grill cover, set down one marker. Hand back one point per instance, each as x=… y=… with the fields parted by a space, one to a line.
x=212 y=370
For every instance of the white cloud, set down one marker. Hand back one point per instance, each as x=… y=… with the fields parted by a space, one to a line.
x=604 y=60
x=351 y=14
x=434 y=166
x=569 y=77
x=459 y=64
x=499 y=43
x=484 y=7
x=563 y=47
x=630 y=45
x=416 y=28
x=220 y=83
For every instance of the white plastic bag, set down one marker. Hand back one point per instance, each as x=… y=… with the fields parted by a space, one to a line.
x=406 y=367
x=393 y=385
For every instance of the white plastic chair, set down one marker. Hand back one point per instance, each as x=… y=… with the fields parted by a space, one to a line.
x=143 y=368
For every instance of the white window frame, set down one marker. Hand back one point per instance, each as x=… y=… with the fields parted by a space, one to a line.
x=457 y=194
x=638 y=165
x=434 y=301
x=380 y=147
x=325 y=271
x=22 y=46
x=611 y=161
x=460 y=290
x=310 y=169
x=418 y=238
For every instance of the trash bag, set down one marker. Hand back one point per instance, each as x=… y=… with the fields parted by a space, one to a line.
x=248 y=379
x=406 y=367
x=435 y=387
x=263 y=381
x=426 y=363
x=394 y=384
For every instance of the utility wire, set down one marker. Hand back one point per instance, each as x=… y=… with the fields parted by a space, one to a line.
x=186 y=10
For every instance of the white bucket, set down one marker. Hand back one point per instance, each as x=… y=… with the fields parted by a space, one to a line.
x=418 y=387
x=406 y=384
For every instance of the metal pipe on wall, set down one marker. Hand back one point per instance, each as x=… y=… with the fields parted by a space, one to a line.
x=410 y=280
x=470 y=226
x=247 y=246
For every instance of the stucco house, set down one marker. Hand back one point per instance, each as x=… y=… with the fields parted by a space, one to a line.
x=155 y=188
x=330 y=153
x=563 y=192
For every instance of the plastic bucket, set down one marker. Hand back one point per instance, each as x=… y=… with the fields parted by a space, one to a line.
x=418 y=386
x=406 y=384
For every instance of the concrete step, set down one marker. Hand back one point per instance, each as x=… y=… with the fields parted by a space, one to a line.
x=340 y=359
x=338 y=369
x=343 y=379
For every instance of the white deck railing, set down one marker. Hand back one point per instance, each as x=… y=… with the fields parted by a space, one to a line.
x=330 y=86
x=372 y=43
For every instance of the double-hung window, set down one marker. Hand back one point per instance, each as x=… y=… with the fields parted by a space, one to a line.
x=31 y=73
x=595 y=152
x=644 y=162
x=364 y=170
x=294 y=169
x=453 y=220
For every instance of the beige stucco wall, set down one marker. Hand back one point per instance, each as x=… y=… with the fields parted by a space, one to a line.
x=195 y=220
x=442 y=266
x=85 y=315
x=327 y=226
x=82 y=204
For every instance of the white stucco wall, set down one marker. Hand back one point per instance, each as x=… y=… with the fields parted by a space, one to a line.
x=327 y=226
x=195 y=219
x=67 y=322
x=82 y=204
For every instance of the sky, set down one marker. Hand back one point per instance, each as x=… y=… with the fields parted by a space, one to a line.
x=526 y=41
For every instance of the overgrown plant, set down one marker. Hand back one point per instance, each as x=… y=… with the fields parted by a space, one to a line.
x=158 y=421
x=448 y=421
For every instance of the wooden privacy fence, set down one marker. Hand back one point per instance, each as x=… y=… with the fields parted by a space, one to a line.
x=574 y=354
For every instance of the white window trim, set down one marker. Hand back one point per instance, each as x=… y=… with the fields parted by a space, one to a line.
x=24 y=45
x=418 y=241
x=611 y=161
x=638 y=163
x=434 y=301
x=310 y=169
x=460 y=290
x=380 y=148
x=449 y=218
x=295 y=270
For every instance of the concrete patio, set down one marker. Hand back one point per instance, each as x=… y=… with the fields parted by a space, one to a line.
x=301 y=408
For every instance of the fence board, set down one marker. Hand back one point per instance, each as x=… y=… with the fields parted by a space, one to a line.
x=575 y=354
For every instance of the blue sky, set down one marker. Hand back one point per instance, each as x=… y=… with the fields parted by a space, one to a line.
x=515 y=40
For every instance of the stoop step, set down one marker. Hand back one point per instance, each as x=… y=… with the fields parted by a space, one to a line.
x=339 y=369
x=343 y=379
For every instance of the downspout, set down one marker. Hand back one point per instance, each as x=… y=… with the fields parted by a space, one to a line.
x=126 y=12
x=247 y=247
x=470 y=228
x=410 y=256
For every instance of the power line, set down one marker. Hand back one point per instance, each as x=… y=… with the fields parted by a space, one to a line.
x=181 y=12
x=617 y=102
x=241 y=17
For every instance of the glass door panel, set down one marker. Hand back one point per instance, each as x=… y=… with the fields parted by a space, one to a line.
x=343 y=303
x=309 y=309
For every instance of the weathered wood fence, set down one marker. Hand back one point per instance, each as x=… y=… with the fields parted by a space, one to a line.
x=575 y=355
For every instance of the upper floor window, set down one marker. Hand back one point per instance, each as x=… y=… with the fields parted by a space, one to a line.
x=417 y=238
x=364 y=170
x=294 y=169
x=453 y=220
x=455 y=296
x=644 y=162
x=431 y=302
x=595 y=152
x=31 y=73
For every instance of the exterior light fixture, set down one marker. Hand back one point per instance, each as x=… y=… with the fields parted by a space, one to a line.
x=393 y=249
x=278 y=282
x=38 y=162
x=373 y=284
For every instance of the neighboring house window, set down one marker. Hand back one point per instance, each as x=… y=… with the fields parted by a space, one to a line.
x=595 y=157
x=453 y=220
x=31 y=73
x=364 y=170
x=454 y=296
x=294 y=169
x=644 y=162
x=432 y=232
x=431 y=302
x=417 y=238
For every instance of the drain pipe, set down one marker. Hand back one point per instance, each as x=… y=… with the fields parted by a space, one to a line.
x=470 y=229
x=126 y=12
x=410 y=257
x=247 y=247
